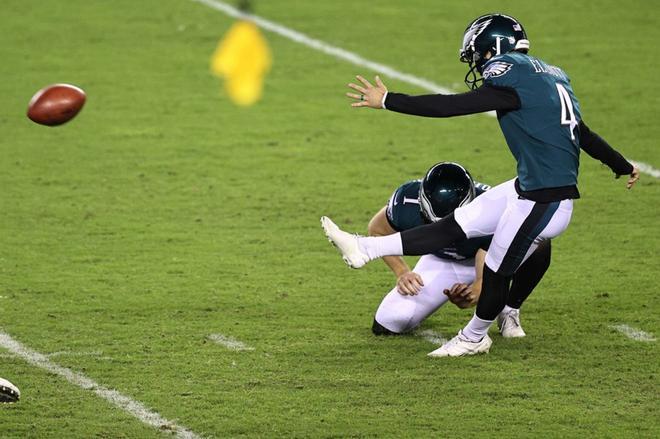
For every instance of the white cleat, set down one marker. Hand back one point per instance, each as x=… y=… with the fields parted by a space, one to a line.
x=346 y=243
x=460 y=346
x=509 y=324
x=8 y=392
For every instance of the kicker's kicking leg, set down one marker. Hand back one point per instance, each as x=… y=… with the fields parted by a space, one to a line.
x=357 y=250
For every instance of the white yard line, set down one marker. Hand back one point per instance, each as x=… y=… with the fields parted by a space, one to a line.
x=229 y=342
x=130 y=406
x=354 y=58
x=634 y=333
x=431 y=336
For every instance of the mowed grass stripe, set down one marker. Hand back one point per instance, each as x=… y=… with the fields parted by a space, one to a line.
x=130 y=406
x=163 y=260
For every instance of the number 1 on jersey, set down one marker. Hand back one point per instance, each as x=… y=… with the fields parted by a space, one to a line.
x=567 y=114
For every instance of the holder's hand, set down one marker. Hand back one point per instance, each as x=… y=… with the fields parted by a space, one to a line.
x=462 y=295
x=409 y=284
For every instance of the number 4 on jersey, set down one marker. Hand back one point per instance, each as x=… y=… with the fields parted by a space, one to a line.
x=567 y=114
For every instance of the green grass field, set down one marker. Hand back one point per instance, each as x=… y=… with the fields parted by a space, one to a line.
x=163 y=214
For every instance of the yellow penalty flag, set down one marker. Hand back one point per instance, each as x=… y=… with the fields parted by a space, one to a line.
x=242 y=58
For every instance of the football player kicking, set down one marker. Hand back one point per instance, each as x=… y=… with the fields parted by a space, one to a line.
x=541 y=121
x=454 y=271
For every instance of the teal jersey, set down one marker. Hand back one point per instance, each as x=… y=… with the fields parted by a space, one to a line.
x=542 y=133
x=403 y=212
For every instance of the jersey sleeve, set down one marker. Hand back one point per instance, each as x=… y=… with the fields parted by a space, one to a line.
x=403 y=211
x=598 y=148
x=501 y=71
x=439 y=105
x=390 y=214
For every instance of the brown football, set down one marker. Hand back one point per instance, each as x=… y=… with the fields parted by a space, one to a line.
x=56 y=104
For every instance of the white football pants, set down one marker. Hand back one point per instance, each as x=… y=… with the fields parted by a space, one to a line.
x=518 y=225
x=400 y=313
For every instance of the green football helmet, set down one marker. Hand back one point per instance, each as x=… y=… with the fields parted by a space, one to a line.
x=445 y=187
x=494 y=33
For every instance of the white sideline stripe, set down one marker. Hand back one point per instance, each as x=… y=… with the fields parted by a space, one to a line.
x=354 y=58
x=634 y=333
x=115 y=398
x=646 y=168
x=230 y=342
x=326 y=48
x=432 y=336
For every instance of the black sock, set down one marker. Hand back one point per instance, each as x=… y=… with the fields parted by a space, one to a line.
x=433 y=237
x=494 y=290
x=529 y=275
